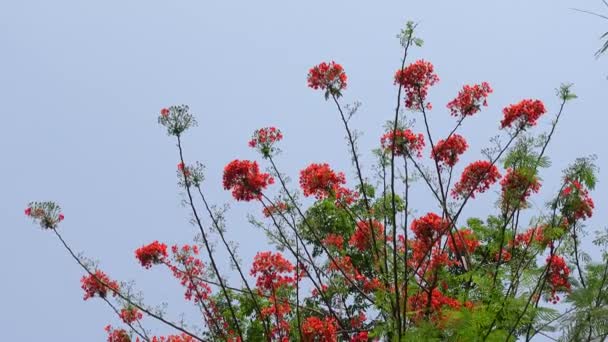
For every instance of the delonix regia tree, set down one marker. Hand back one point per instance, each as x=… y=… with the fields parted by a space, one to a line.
x=361 y=263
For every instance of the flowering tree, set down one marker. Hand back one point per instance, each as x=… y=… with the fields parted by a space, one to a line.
x=361 y=263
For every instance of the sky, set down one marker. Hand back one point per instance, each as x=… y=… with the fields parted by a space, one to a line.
x=82 y=83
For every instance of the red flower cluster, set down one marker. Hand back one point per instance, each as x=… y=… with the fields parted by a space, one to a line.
x=534 y=234
x=117 y=335
x=245 y=180
x=361 y=336
x=279 y=207
x=330 y=76
x=270 y=270
x=97 y=284
x=321 y=181
x=316 y=329
x=465 y=239
x=421 y=303
x=577 y=205
x=517 y=187
x=272 y=275
x=404 y=141
x=264 y=138
x=503 y=256
x=334 y=240
x=345 y=264
x=557 y=276
x=477 y=177
x=429 y=228
x=362 y=237
x=416 y=80
x=46 y=213
x=164 y=112
x=176 y=338
x=524 y=114
x=153 y=253
x=448 y=151
x=130 y=314
x=470 y=99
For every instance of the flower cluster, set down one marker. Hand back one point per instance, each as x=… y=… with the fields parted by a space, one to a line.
x=557 y=276
x=344 y=264
x=245 y=180
x=422 y=303
x=517 y=186
x=534 y=234
x=449 y=150
x=98 y=284
x=416 y=80
x=576 y=202
x=317 y=329
x=523 y=114
x=279 y=207
x=117 y=335
x=363 y=236
x=404 y=141
x=47 y=214
x=271 y=271
x=130 y=314
x=264 y=139
x=470 y=99
x=329 y=77
x=273 y=276
x=476 y=177
x=189 y=175
x=334 y=240
x=176 y=119
x=465 y=239
x=321 y=181
x=153 y=253
x=426 y=252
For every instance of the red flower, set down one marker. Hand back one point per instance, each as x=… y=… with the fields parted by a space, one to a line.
x=416 y=80
x=60 y=217
x=517 y=186
x=470 y=99
x=243 y=177
x=534 y=234
x=362 y=238
x=405 y=141
x=504 y=256
x=576 y=203
x=330 y=76
x=557 y=276
x=270 y=270
x=164 y=112
x=477 y=177
x=117 y=335
x=28 y=211
x=360 y=337
x=264 y=138
x=98 y=284
x=321 y=181
x=278 y=207
x=524 y=114
x=447 y=151
x=153 y=253
x=429 y=227
x=130 y=314
x=316 y=329
x=334 y=240
x=434 y=304
x=465 y=238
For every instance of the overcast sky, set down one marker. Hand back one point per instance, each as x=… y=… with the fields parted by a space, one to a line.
x=82 y=83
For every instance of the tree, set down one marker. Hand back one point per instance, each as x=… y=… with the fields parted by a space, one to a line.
x=358 y=264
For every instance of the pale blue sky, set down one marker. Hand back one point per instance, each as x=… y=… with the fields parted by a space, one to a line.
x=82 y=83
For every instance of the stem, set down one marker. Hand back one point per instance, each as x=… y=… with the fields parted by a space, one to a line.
x=120 y=295
x=206 y=241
